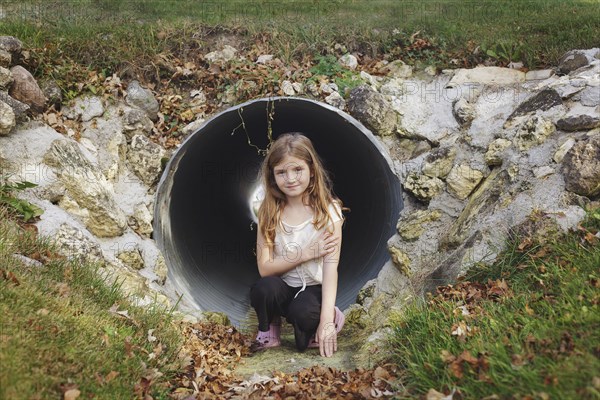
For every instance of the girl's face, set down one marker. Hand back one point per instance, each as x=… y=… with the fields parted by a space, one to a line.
x=292 y=176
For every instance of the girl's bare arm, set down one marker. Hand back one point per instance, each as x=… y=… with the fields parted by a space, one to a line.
x=271 y=265
x=327 y=336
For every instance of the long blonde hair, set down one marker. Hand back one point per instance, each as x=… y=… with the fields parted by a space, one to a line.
x=319 y=194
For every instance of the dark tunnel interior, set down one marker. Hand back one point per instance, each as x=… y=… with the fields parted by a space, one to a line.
x=203 y=219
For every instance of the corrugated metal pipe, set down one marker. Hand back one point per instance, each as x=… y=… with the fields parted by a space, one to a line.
x=203 y=217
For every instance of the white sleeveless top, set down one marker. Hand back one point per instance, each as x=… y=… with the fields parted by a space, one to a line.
x=289 y=239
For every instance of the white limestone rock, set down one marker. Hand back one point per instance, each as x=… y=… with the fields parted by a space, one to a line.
x=192 y=126
x=393 y=87
x=439 y=162
x=141 y=220
x=336 y=100
x=328 y=87
x=142 y=98
x=287 y=88
x=462 y=179
x=72 y=243
x=145 y=159
x=540 y=74
x=590 y=96
x=533 y=132
x=85 y=108
x=298 y=87
x=487 y=76
x=423 y=187
x=264 y=58
x=160 y=269
x=109 y=144
x=559 y=155
x=369 y=79
x=494 y=154
x=136 y=122
x=88 y=187
x=349 y=61
x=6 y=78
x=7 y=119
x=228 y=53
x=542 y=172
x=398 y=69
x=464 y=112
x=131 y=258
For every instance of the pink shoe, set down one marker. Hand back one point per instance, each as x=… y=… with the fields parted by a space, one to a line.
x=338 y=320
x=270 y=338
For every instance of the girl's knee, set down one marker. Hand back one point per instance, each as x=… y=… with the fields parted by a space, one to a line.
x=265 y=287
x=304 y=317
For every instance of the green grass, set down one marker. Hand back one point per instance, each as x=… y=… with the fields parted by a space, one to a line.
x=112 y=35
x=539 y=338
x=57 y=330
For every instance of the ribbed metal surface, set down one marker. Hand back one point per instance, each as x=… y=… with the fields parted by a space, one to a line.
x=203 y=221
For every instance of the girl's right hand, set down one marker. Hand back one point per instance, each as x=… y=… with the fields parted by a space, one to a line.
x=324 y=244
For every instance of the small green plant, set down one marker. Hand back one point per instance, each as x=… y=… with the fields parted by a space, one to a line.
x=328 y=66
x=505 y=52
x=22 y=208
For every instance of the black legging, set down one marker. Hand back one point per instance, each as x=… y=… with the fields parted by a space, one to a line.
x=272 y=297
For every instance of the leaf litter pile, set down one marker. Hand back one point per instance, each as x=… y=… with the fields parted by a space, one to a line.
x=211 y=352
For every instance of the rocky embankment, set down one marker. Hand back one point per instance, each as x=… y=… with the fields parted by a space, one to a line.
x=477 y=152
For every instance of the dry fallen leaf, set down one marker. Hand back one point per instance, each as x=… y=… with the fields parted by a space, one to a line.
x=528 y=310
x=110 y=376
x=447 y=357
x=433 y=394
x=71 y=394
x=9 y=276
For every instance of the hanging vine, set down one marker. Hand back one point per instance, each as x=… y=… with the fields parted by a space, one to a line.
x=270 y=117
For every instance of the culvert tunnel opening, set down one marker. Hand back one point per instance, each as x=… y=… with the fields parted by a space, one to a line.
x=203 y=219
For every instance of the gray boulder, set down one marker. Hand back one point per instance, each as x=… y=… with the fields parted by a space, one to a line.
x=464 y=112
x=533 y=132
x=438 y=163
x=578 y=123
x=544 y=100
x=72 y=243
x=462 y=179
x=20 y=109
x=88 y=188
x=371 y=108
x=582 y=167
x=423 y=187
x=85 y=108
x=6 y=78
x=7 y=119
x=53 y=93
x=571 y=61
x=142 y=98
x=145 y=159
x=26 y=89
x=12 y=46
x=5 y=58
x=136 y=122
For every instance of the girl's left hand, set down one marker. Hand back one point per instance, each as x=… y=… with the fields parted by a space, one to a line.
x=327 y=338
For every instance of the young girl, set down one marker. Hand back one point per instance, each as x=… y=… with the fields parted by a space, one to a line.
x=297 y=248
